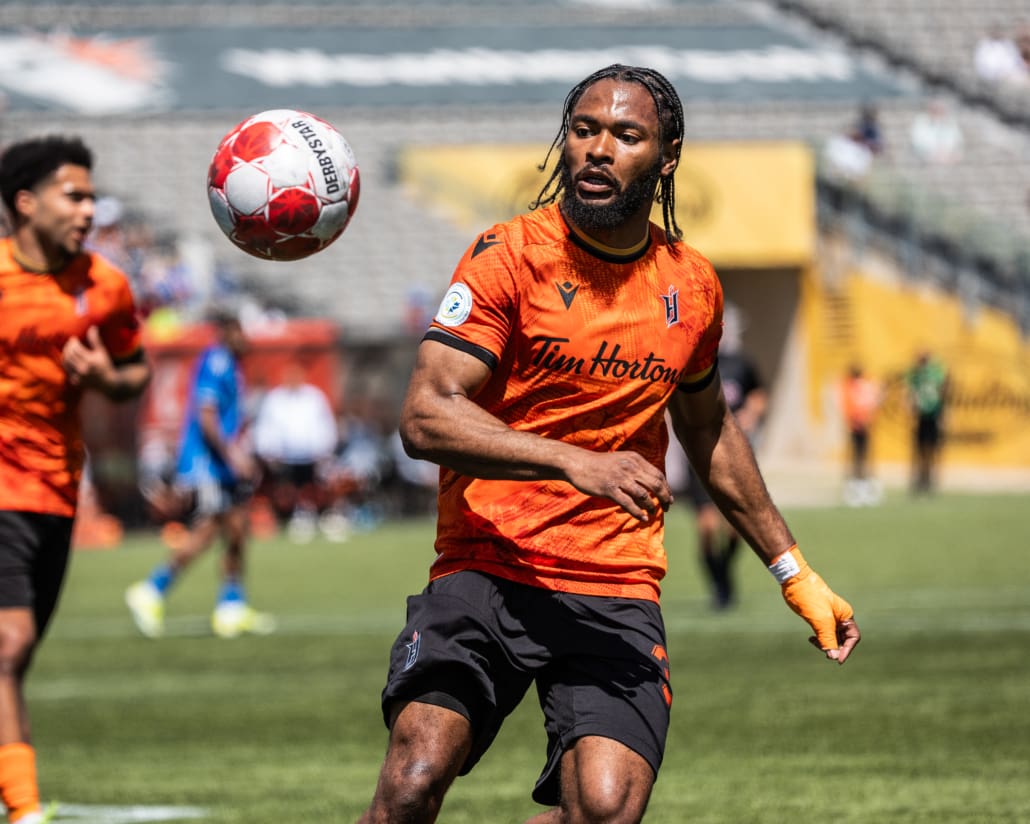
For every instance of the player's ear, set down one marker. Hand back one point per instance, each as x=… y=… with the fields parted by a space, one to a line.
x=24 y=202
x=671 y=156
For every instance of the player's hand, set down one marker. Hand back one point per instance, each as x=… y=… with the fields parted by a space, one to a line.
x=87 y=363
x=626 y=478
x=243 y=464
x=832 y=618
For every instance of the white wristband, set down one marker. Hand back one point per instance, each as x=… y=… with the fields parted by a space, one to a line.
x=785 y=567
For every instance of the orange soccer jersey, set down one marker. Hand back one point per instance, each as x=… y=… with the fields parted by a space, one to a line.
x=41 y=451
x=586 y=346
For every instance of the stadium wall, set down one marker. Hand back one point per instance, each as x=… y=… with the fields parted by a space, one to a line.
x=874 y=317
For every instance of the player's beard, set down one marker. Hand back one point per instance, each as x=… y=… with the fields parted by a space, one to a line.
x=626 y=202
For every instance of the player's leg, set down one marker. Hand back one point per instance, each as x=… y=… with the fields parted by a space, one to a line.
x=924 y=444
x=233 y=615
x=933 y=448
x=712 y=548
x=730 y=544
x=601 y=780
x=606 y=700
x=146 y=599
x=428 y=746
x=455 y=675
x=33 y=557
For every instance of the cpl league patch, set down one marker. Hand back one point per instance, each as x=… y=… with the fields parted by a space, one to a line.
x=456 y=306
x=413 y=646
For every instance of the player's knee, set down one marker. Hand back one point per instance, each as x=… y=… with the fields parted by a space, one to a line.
x=610 y=802
x=416 y=784
x=16 y=643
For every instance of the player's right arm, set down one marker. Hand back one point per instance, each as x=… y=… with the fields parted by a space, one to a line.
x=441 y=422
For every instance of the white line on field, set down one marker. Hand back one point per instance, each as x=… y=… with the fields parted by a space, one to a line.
x=97 y=814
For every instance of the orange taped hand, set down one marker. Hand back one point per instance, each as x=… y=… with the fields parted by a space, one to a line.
x=809 y=596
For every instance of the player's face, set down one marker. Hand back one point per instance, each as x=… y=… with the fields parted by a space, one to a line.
x=236 y=340
x=60 y=210
x=614 y=157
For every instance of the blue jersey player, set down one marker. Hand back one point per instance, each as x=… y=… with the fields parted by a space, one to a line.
x=215 y=474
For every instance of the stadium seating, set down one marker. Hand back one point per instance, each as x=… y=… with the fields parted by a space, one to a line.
x=397 y=244
x=936 y=39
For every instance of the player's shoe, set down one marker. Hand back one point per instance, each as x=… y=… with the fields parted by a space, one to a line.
x=302 y=526
x=235 y=618
x=147 y=607
x=41 y=816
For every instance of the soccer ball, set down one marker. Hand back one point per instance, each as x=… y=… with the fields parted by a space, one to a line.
x=283 y=184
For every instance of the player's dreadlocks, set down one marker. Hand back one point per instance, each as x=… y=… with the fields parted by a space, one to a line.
x=670 y=119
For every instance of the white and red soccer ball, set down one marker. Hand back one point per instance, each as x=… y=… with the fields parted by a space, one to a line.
x=283 y=184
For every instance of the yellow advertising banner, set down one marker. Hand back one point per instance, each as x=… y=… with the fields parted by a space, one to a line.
x=883 y=325
x=744 y=205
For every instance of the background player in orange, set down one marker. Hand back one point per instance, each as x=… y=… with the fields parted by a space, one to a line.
x=860 y=398
x=541 y=388
x=67 y=324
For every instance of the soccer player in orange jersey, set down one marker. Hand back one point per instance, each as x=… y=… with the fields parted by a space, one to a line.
x=540 y=388
x=67 y=324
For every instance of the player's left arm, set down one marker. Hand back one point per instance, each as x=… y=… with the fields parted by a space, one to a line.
x=721 y=455
x=88 y=364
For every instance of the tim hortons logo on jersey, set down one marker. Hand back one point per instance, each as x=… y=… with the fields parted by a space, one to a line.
x=31 y=342
x=605 y=363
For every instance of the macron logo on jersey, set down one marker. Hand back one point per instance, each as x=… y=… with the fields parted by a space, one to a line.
x=567 y=292
x=484 y=243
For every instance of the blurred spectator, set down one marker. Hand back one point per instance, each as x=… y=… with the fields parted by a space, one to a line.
x=927 y=383
x=416 y=481
x=849 y=155
x=165 y=279
x=867 y=129
x=357 y=471
x=295 y=430
x=418 y=309
x=1023 y=47
x=997 y=59
x=860 y=399
x=935 y=134
x=107 y=237
x=847 y=158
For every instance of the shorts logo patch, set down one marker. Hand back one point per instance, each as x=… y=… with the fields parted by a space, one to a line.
x=456 y=306
x=413 y=647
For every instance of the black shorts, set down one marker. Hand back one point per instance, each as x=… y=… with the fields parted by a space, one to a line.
x=928 y=430
x=474 y=643
x=34 y=552
x=210 y=497
x=294 y=474
x=860 y=444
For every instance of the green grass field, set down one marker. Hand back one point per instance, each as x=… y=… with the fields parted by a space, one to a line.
x=928 y=722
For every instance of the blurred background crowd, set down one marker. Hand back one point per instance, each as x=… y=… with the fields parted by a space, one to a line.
x=859 y=174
